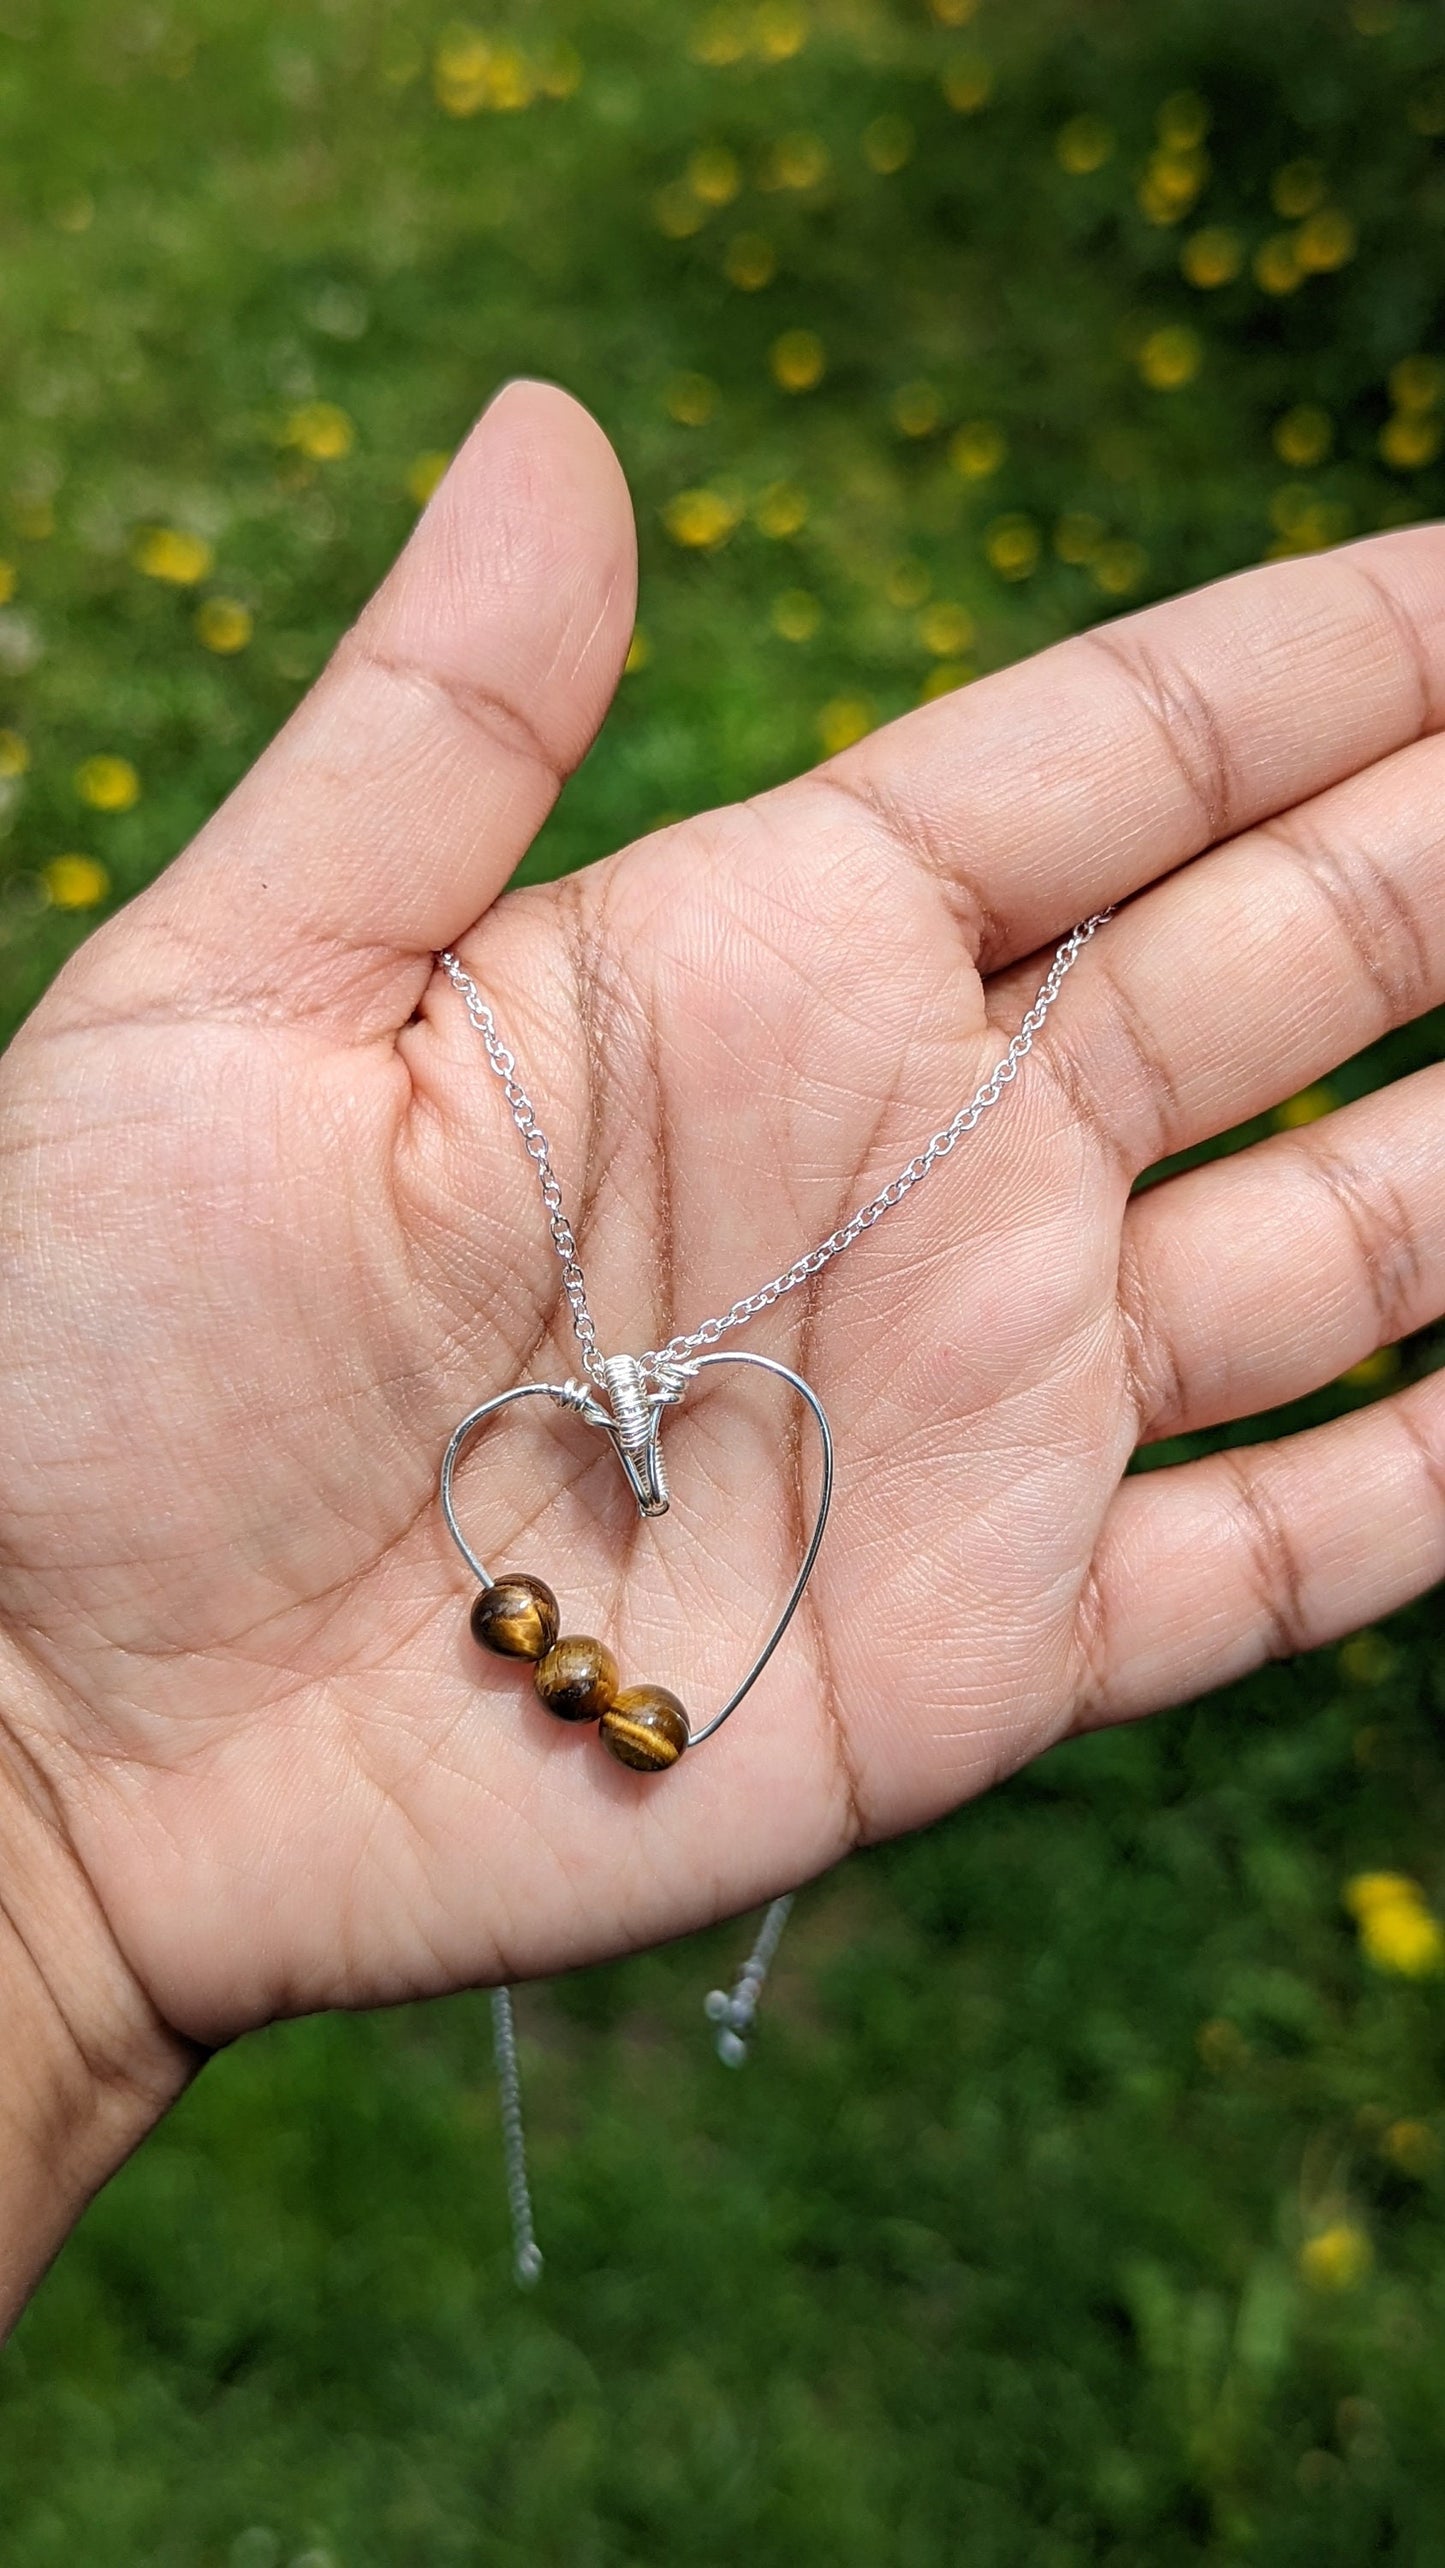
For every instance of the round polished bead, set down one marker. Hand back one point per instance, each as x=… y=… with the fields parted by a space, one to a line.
x=578 y=1678
x=516 y=1617
x=646 y=1727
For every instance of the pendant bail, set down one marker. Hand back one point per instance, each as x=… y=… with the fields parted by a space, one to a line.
x=635 y=1427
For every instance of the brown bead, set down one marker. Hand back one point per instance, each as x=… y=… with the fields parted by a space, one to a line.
x=577 y=1679
x=516 y=1617
x=646 y=1727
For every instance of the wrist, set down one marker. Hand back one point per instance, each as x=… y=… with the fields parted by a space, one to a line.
x=86 y=2064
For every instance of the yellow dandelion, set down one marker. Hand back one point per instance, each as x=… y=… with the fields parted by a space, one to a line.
x=168 y=553
x=750 y=262
x=639 y=652
x=1183 y=121
x=1297 y=189
x=780 y=511
x=1078 y=535
x=75 y=882
x=107 y=783
x=691 y=399
x=780 y=30
x=677 y=212
x=320 y=430
x=1118 y=568
x=798 y=361
x=1367 y=1658
x=1412 y=2147
x=9 y=577
x=722 y=38
x=1417 y=383
x=713 y=175
x=1212 y=256
x=1336 y=2259
x=1083 y=145
x=1373 y=1371
x=1011 y=547
x=888 y=144
x=14 y=756
x=425 y=472
x=953 y=13
x=945 y=629
x=1170 y=184
x=796 y=615
x=916 y=409
x=1409 y=441
x=945 y=678
x=967 y=83
x=1171 y=357
x=977 y=449
x=224 y=625
x=795 y=161
x=907 y=583
x=1310 y=1106
x=1325 y=242
x=510 y=83
x=1303 y=436
x=460 y=68
x=844 y=720
x=1399 y=1932
x=1276 y=264
x=700 y=520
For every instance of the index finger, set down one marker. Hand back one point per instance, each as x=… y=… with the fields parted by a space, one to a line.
x=1063 y=784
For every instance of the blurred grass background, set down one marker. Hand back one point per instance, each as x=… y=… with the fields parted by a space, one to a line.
x=1083 y=2202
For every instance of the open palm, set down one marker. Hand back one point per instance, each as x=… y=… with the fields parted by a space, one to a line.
x=268 y=1232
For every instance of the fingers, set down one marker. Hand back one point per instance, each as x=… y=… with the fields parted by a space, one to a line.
x=1205 y=1570
x=1055 y=788
x=1257 y=1279
x=1266 y=964
x=391 y=809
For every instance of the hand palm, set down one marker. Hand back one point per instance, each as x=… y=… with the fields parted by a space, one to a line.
x=272 y=1232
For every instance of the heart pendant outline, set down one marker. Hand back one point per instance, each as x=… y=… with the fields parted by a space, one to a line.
x=565 y=1397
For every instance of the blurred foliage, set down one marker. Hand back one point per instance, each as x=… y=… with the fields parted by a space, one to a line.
x=1083 y=2204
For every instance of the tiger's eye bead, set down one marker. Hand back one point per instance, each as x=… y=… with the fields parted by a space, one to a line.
x=516 y=1617
x=577 y=1679
x=646 y=1727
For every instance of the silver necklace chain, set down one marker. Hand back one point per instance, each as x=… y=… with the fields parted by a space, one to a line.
x=662 y=1363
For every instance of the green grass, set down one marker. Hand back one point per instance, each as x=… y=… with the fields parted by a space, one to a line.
x=992 y=2256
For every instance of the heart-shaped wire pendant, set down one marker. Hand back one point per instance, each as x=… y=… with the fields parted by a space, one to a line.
x=517 y=1615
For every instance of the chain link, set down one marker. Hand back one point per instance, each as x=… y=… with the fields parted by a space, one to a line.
x=660 y=1360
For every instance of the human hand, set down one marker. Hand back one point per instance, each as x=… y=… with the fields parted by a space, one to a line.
x=269 y=1231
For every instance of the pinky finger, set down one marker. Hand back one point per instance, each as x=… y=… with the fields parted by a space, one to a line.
x=1208 y=1568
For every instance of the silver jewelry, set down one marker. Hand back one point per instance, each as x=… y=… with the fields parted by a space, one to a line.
x=626 y=1398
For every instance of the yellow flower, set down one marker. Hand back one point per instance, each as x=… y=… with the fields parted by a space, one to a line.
x=1373 y=1371
x=510 y=83
x=1336 y=2259
x=1412 y=2147
x=1417 y=383
x=1083 y=145
x=1183 y=120
x=700 y=520
x=1276 y=264
x=224 y=625
x=1213 y=256
x=459 y=71
x=107 y=784
x=977 y=449
x=75 y=882
x=1078 y=535
x=713 y=175
x=751 y=262
x=1011 y=545
x=781 y=510
x=796 y=615
x=916 y=409
x=167 y=553
x=944 y=679
x=945 y=630
x=691 y=400
x=677 y=212
x=1303 y=436
x=796 y=161
x=846 y=719
x=780 y=30
x=424 y=474
x=1307 y=1108
x=639 y=652
x=1297 y=189
x=1367 y=1658
x=8 y=576
x=1119 y=567
x=1410 y=440
x=967 y=84
x=321 y=431
x=1398 y=1931
x=1171 y=357
x=14 y=756
x=798 y=360
x=1326 y=241
x=722 y=38
x=888 y=144
x=1171 y=183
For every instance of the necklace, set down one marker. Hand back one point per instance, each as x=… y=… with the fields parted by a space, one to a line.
x=625 y=1398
